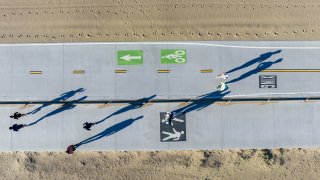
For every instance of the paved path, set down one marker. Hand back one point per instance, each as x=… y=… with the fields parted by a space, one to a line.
x=83 y=72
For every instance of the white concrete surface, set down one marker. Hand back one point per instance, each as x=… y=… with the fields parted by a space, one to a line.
x=218 y=126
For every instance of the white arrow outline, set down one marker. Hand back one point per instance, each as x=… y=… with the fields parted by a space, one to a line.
x=129 y=58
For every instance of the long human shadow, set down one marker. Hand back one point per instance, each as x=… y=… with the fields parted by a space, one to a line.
x=260 y=67
x=109 y=131
x=132 y=105
x=67 y=106
x=259 y=59
x=62 y=97
x=201 y=102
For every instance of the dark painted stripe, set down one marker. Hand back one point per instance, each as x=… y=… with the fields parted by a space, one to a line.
x=206 y=70
x=120 y=71
x=291 y=70
x=217 y=99
x=35 y=72
x=79 y=71
x=163 y=71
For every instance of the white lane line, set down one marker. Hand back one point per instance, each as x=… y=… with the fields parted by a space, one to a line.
x=165 y=43
x=262 y=94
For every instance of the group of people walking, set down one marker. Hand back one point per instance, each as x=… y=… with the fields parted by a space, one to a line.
x=17 y=116
x=169 y=116
x=16 y=127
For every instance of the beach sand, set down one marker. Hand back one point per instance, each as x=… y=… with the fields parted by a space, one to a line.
x=229 y=164
x=41 y=21
x=157 y=20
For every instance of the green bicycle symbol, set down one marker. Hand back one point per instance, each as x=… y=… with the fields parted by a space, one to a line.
x=178 y=56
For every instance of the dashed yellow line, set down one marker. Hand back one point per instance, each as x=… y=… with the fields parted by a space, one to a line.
x=79 y=71
x=120 y=71
x=206 y=70
x=35 y=72
x=291 y=70
x=164 y=71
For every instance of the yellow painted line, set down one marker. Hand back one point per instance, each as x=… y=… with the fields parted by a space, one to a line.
x=163 y=71
x=120 y=71
x=206 y=70
x=79 y=71
x=35 y=72
x=291 y=70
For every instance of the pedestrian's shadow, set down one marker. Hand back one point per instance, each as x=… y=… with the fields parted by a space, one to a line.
x=62 y=97
x=260 y=67
x=259 y=59
x=132 y=105
x=109 y=131
x=201 y=102
x=66 y=106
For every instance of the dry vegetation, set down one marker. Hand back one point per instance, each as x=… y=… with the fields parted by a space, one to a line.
x=227 y=164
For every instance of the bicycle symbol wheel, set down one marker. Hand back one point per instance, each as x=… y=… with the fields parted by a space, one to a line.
x=180 y=60
x=180 y=52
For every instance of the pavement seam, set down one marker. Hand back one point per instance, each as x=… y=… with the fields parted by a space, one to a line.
x=273 y=129
x=221 y=122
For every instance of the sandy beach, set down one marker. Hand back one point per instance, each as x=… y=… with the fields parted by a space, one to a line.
x=235 y=164
x=43 y=21
x=154 y=20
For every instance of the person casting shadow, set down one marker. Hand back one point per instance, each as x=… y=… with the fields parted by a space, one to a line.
x=87 y=126
x=16 y=127
x=259 y=59
x=66 y=106
x=132 y=105
x=17 y=115
x=260 y=67
x=202 y=102
x=109 y=131
x=62 y=97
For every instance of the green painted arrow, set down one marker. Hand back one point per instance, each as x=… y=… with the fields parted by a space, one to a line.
x=130 y=57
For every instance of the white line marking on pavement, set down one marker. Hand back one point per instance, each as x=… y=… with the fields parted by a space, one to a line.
x=259 y=94
x=162 y=43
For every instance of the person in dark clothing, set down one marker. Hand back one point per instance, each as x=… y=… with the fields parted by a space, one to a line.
x=17 y=115
x=16 y=127
x=169 y=117
x=71 y=149
x=88 y=126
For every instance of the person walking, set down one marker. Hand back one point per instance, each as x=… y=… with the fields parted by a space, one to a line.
x=16 y=127
x=71 y=149
x=87 y=126
x=223 y=76
x=168 y=118
x=222 y=86
x=17 y=115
